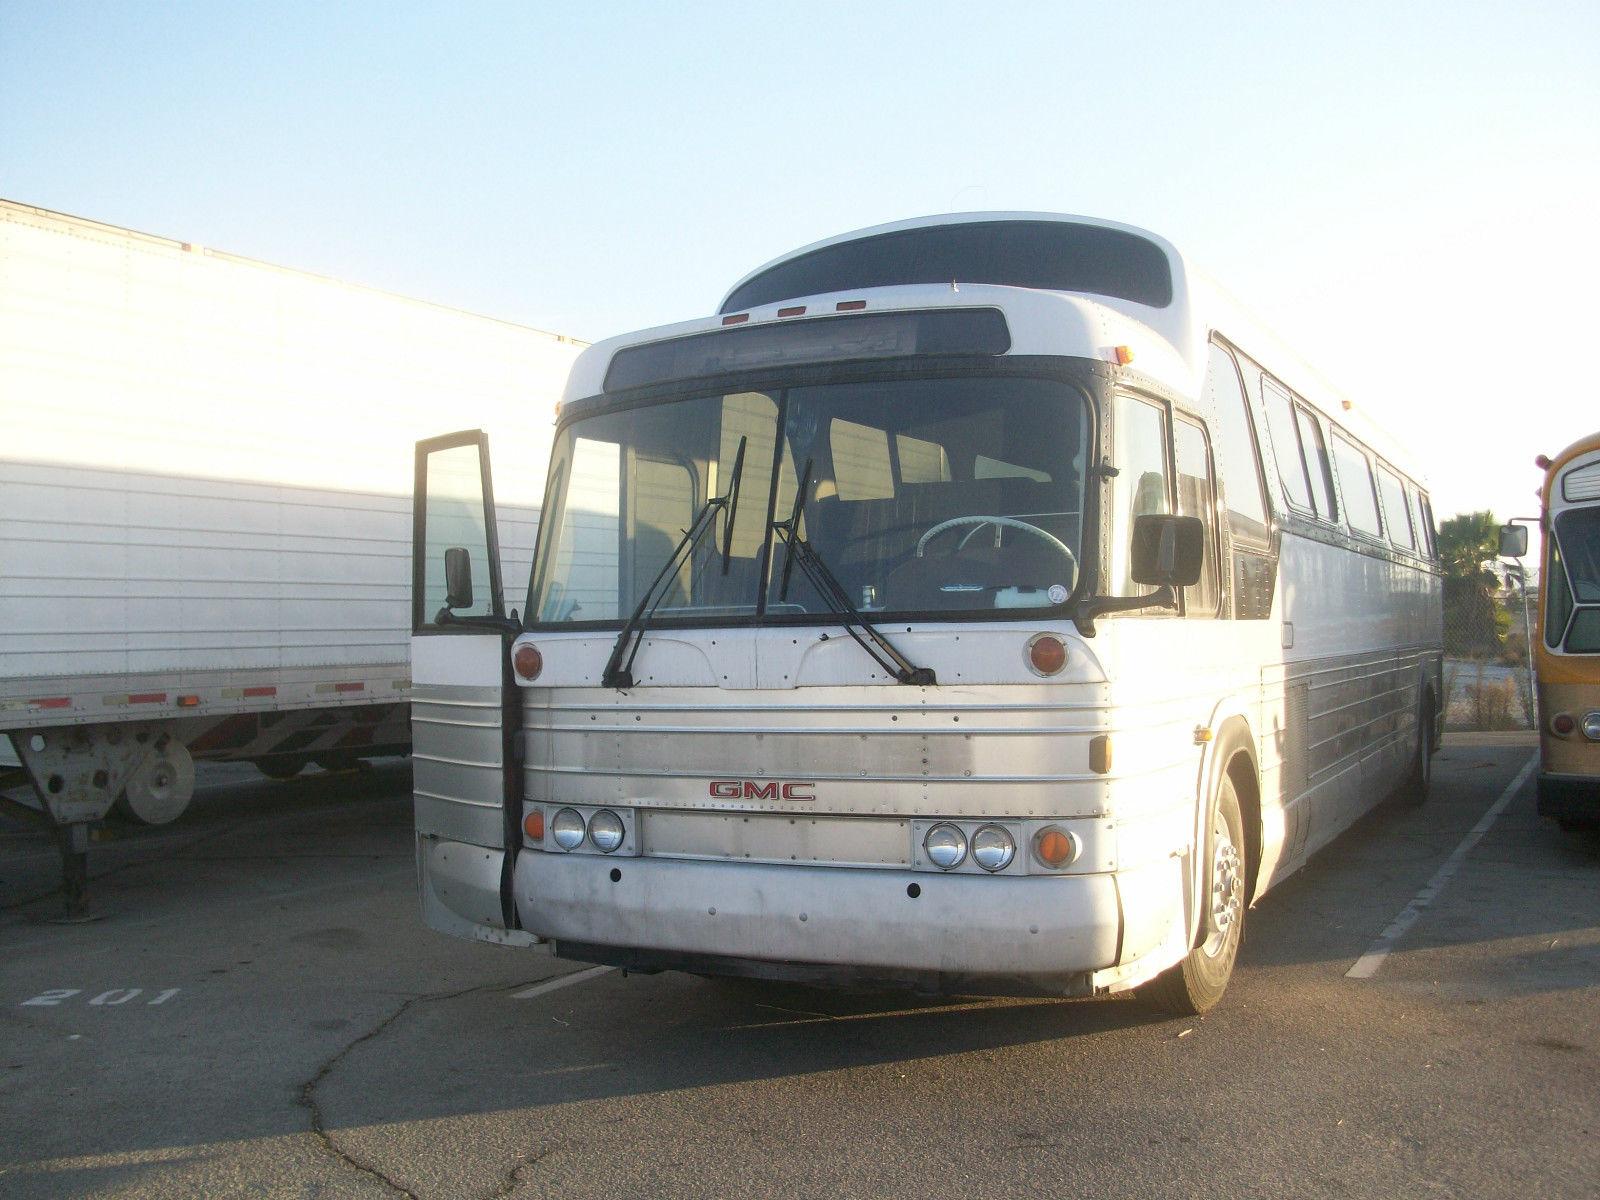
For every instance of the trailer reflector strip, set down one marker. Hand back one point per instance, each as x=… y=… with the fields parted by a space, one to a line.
x=260 y=691
x=148 y=698
x=325 y=688
x=52 y=702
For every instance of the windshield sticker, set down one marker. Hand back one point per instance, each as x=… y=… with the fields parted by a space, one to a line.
x=1057 y=593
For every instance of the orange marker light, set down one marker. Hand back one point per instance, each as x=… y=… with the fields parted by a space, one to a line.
x=1046 y=654
x=1124 y=355
x=533 y=825
x=1053 y=848
x=527 y=662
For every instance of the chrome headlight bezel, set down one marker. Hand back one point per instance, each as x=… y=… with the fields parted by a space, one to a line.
x=993 y=848
x=606 y=831
x=568 y=829
x=950 y=841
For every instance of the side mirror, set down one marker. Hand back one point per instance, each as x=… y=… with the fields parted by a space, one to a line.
x=1513 y=541
x=457 y=578
x=1168 y=551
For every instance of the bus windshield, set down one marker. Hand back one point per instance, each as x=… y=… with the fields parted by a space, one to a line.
x=1575 y=583
x=923 y=495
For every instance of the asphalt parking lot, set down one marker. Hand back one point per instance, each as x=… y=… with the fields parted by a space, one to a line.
x=261 y=1014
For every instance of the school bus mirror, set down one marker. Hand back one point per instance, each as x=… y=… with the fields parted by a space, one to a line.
x=1513 y=541
x=1168 y=550
x=457 y=578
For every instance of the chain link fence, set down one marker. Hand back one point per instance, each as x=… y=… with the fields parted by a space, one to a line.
x=1487 y=674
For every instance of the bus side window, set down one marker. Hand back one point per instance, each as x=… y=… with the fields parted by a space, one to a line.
x=1286 y=444
x=1395 y=512
x=1317 y=463
x=1140 y=485
x=1192 y=457
x=1427 y=525
x=1238 y=459
x=1357 y=487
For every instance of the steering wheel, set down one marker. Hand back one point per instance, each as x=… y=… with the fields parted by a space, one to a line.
x=1009 y=523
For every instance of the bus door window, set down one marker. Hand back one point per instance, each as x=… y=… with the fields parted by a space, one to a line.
x=1192 y=459
x=1395 y=512
x=1357 y=488
x=1140 y=486
x=1286 y=444
x=1316 y=451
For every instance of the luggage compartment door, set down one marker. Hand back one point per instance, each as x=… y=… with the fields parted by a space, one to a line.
x=464 y=705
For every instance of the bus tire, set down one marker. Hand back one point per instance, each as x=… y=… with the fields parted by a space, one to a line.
x=1195 y=984
x=1420 y=778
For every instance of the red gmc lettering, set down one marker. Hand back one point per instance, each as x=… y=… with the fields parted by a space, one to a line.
x=750 y=789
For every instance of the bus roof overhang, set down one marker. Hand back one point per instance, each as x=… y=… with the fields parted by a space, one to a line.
x=1040 y=323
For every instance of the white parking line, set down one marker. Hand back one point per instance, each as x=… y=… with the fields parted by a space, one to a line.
x=1367 y=965
x=550 y=985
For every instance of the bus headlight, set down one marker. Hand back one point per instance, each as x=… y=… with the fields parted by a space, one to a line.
x=605 y=831
x=567 y=829
x=946 y=846
x=993 y=848
x=1591 y=726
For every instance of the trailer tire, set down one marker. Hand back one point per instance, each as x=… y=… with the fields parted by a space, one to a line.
x=282 y=767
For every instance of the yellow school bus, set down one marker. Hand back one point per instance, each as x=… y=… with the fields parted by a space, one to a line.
x=1566 y=650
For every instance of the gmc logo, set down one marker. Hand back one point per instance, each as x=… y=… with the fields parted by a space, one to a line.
x=767 y=789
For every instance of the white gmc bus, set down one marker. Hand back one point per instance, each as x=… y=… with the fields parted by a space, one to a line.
x=973 y=604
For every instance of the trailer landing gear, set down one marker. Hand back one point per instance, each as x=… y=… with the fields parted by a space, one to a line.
x=78 y=772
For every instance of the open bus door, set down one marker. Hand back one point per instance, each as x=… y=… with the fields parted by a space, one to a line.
x=465 y=707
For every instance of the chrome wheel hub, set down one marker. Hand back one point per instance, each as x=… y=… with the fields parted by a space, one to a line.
x=1227 y=890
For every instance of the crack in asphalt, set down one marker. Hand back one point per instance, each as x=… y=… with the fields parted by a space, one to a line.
x=308 y=1090
x=508 y=1185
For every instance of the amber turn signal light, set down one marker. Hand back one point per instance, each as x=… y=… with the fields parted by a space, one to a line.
x=527 y=662
x=1054 y=848
x=533 y=825
x=1046 y=654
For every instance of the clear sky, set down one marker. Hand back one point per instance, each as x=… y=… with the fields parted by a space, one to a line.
x=1407 y=193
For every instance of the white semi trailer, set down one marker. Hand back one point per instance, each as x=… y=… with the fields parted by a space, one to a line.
x=205 y=510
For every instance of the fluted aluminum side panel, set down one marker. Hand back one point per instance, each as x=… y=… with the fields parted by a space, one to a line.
x=456 y=763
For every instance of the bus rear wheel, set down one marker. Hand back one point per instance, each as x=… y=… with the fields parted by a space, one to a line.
x=1196 y=984
x=1420 y=778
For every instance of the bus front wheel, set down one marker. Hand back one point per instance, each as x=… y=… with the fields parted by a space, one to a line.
x=1197 y=983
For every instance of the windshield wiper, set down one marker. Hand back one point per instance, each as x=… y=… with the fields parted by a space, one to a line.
x=796 y=549
x=619 y=673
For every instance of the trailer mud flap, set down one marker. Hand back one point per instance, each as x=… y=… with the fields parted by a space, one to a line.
x=465 y=712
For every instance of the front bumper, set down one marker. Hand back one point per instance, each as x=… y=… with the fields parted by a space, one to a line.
x=1569 y=797
x=676 y=912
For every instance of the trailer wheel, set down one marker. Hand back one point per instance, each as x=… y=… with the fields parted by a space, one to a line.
x=333 y=763
x=1197 y=983
x=284 y=766
x=160 y=790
